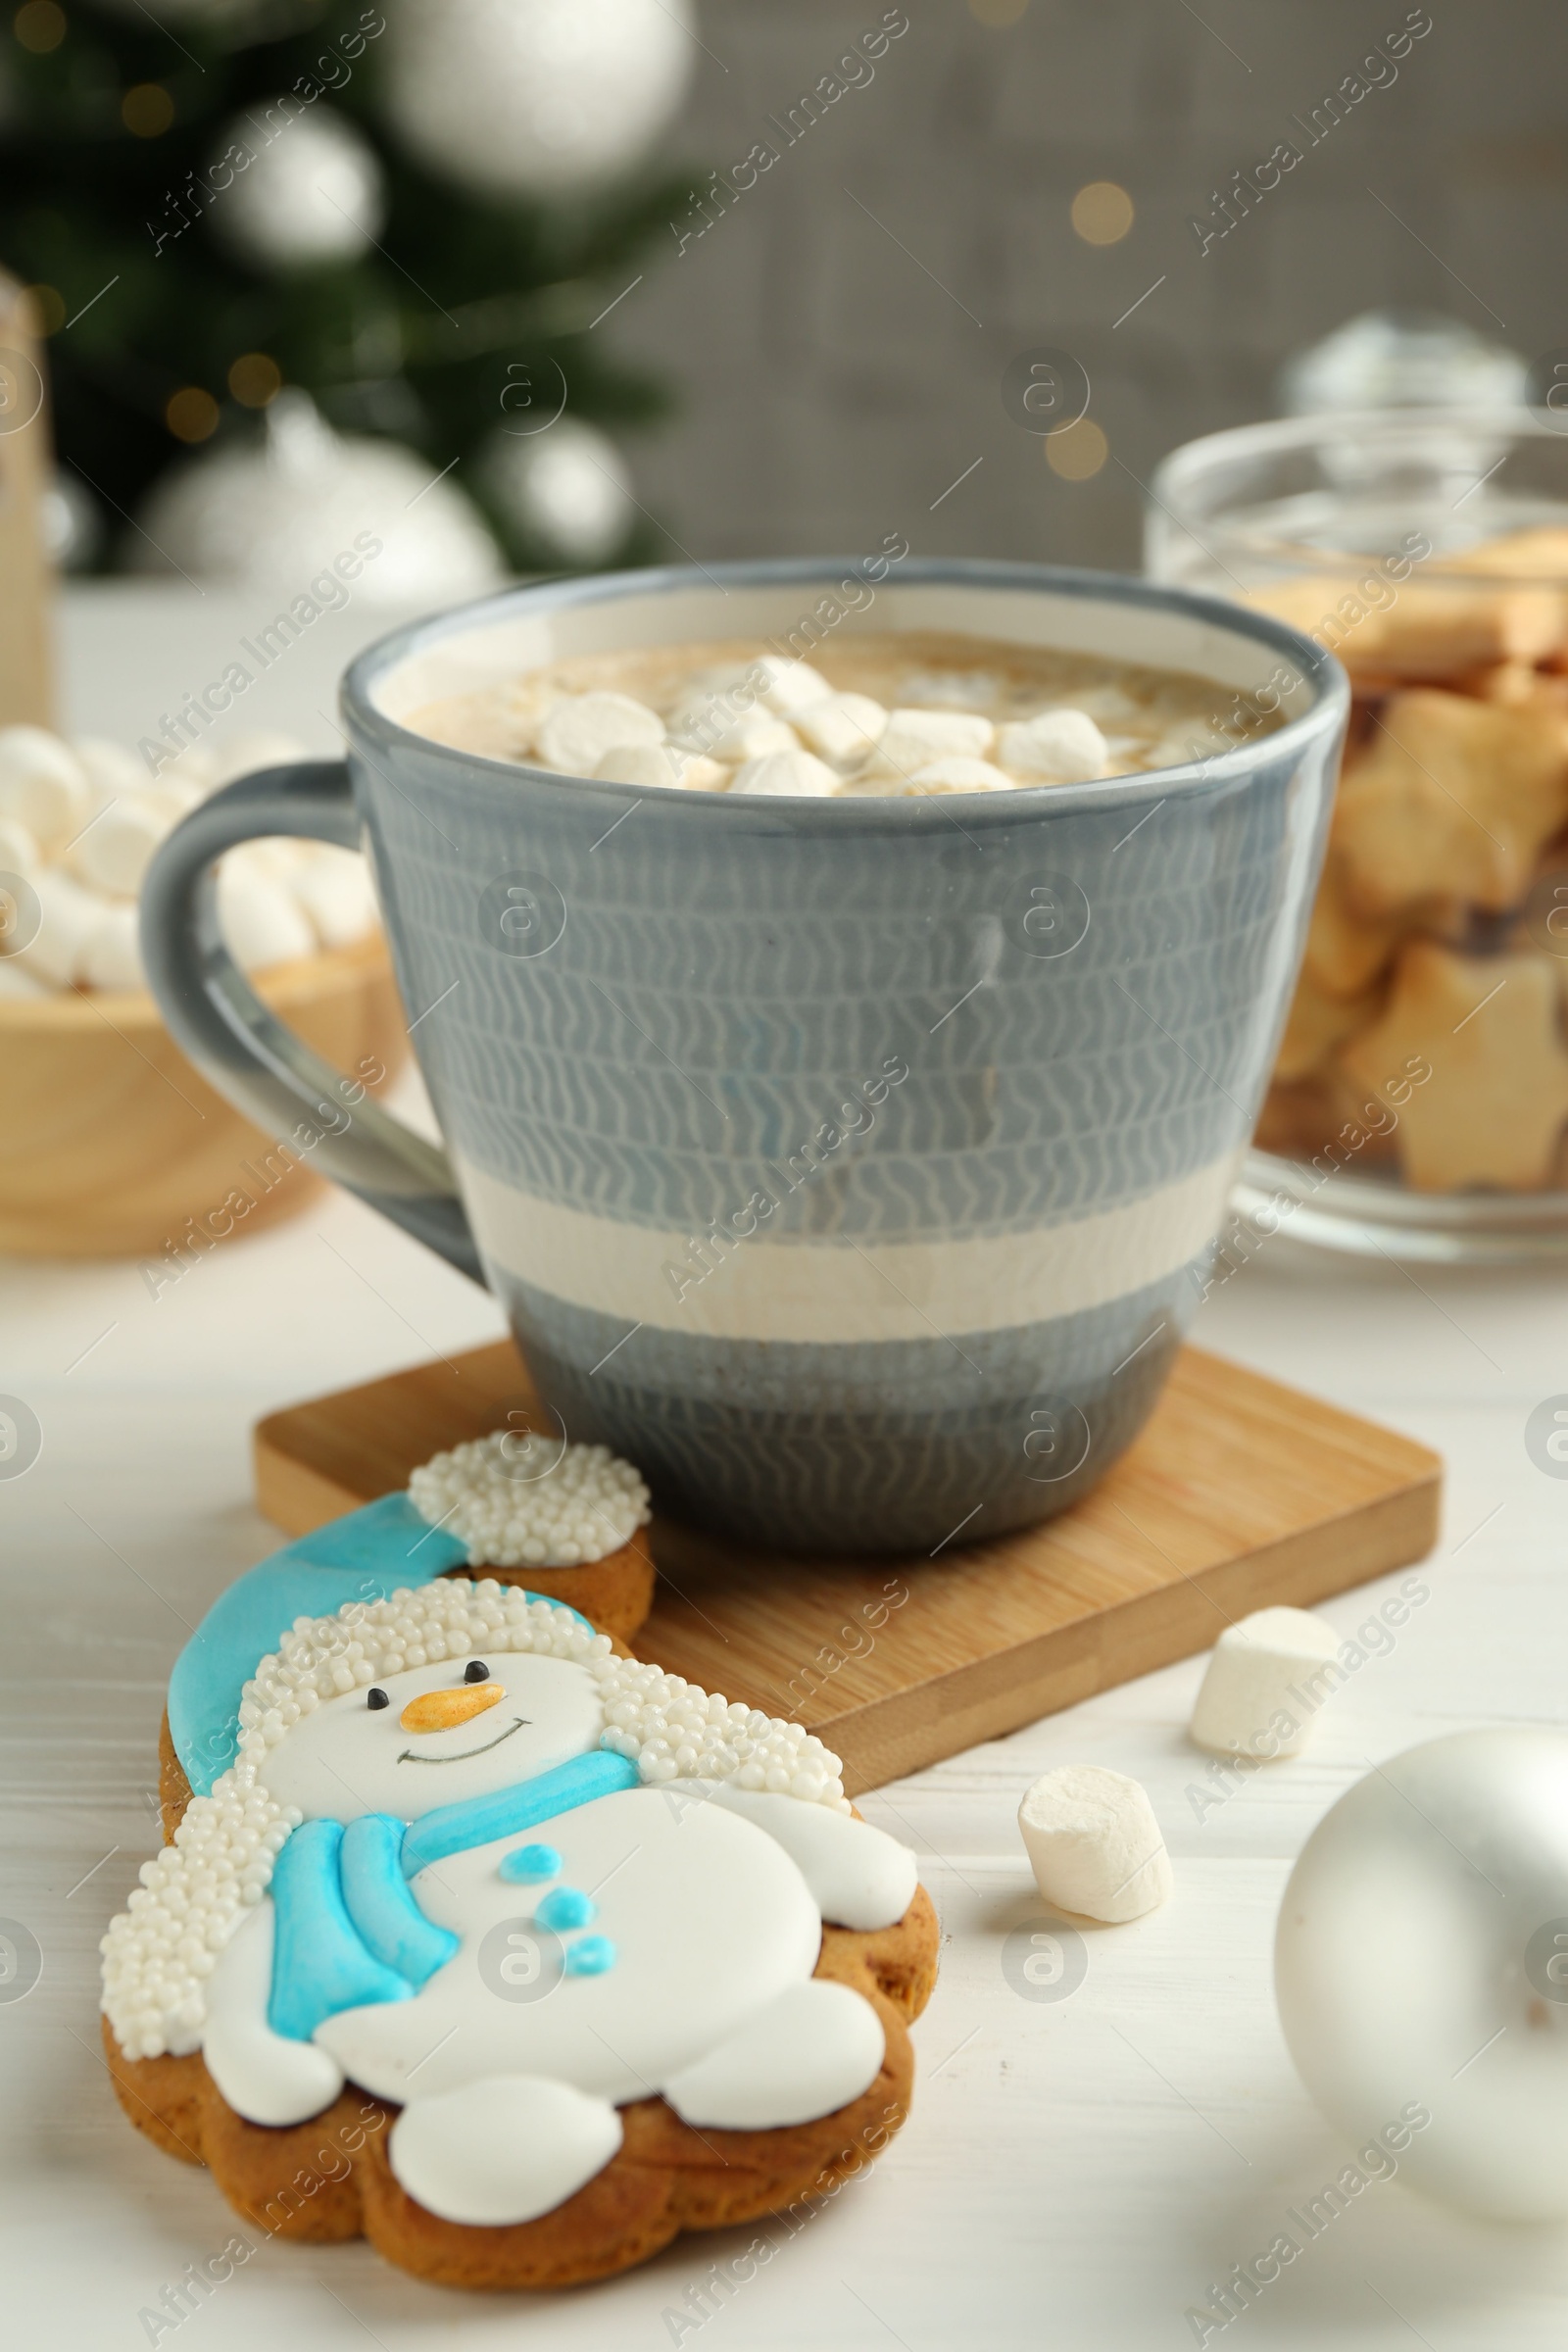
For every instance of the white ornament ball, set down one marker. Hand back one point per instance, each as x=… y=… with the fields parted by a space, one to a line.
x=565 y=492
x=313 y=191
x=315 y=519
x=536 y=97
x=1421 y=1968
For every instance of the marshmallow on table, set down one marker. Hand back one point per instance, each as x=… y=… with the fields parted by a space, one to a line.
x=661 y=766
x=1252 y=1704
x=913 y=739
x=41 y=785
x=1055 y=746
x=784 y=773
x=1093 y=1843
x=577 y=732
x=842 y=727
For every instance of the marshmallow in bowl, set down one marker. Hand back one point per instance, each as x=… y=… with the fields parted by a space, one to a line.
x=913 y=739
x=113 y=851
x=260 y=919
x=112 y=956
x=1059 y=746
x=876 y=706
x=278 y=899
x=791 y=686
x=20 y=852
x=751 y=736
x=797 y=775
x=111 y=769
x=659 y=765
x=67 y=916
x=578 y=731
x=333 y=889
x=41 y=785
x=958 y=775
x=843 y=728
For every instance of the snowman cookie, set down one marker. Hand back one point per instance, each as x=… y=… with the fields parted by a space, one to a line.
x=511 y=1952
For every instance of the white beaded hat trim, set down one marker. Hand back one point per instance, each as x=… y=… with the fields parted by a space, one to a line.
x=495 y=1496
x=160 y=1950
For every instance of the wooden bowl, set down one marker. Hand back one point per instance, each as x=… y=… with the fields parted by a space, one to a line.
x=110 y=1142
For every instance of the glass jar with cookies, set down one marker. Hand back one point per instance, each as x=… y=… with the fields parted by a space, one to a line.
x=1419 y=1103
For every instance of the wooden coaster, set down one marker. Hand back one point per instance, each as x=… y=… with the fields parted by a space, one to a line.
x=1239 y=1493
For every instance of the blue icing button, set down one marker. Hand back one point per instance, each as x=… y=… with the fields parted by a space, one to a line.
x=566 y=1907
x=590 y=1956
x=529 y=1862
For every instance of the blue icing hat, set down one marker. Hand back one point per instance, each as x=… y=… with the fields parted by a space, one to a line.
x=368 y=1555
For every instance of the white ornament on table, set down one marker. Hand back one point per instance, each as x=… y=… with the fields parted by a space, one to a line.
x=312 y=192
x=565 y=491
x=315 y=519
x=542 y=98
x=1421 y=1969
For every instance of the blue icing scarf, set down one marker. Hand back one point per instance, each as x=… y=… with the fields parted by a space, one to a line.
x=368 y=1555
x=348 y=1931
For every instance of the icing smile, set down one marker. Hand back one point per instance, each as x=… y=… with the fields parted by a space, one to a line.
x=457 y=1755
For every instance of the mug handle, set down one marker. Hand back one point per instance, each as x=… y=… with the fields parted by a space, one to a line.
x=216 y=1018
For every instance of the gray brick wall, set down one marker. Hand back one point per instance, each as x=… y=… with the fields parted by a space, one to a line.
x=831 y=391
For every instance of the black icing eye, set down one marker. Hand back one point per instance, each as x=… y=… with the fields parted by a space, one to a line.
x=376 y=1696
x=476 y=1671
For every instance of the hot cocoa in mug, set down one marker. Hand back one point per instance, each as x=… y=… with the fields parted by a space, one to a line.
x=846 y=990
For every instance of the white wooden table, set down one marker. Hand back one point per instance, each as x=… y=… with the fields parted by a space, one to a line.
x=1076 y=2172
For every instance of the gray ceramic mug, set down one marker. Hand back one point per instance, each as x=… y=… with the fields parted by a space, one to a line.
x=850 y=1165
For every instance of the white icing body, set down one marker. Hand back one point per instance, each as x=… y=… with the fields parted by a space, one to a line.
x=509 y=2069
x=709 y=1922
x=263 y=2075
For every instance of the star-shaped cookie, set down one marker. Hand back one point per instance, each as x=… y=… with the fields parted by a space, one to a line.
x=1423 y=629
x=1451 y=798
x=1488 y=1031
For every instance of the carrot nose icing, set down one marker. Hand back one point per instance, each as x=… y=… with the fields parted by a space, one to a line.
x=444 y=1711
